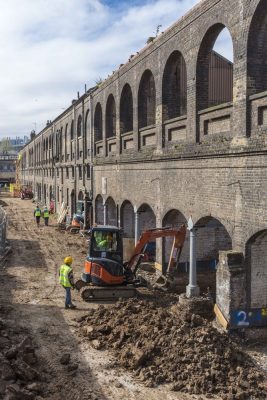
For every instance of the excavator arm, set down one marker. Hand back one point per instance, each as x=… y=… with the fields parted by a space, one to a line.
x=152 y=234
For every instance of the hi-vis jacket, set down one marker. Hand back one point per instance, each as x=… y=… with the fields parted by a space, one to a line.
x=66 y=276
x=37 y=212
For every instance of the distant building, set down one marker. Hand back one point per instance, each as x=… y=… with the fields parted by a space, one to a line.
x=19 y=142
x=9 y=149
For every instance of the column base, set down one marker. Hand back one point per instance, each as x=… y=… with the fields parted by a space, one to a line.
x=192 y=291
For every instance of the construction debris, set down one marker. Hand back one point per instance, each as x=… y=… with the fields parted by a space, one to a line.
x=161 y=343
x=22 y=375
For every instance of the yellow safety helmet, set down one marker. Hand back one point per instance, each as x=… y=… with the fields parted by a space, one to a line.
x=68 y=260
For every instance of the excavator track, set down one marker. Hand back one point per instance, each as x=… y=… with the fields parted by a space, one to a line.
x=96 y=293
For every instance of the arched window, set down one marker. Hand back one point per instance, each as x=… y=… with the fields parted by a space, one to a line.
x=71 y=131
x=126 y=110
x=65 y=141
x=174 y=87
x=86 y=131
x=257 y=51
x=110 y=117
x=79 y=126
x=98 y=123
x=146 y=100
x=215 y=68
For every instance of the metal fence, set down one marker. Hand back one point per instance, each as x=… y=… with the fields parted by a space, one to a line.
x=3 y=223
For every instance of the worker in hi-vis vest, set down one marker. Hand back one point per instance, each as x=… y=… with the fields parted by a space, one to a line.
x=46 y=215
x=66 y=280
x=37 y=214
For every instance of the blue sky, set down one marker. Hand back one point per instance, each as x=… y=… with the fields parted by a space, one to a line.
x=50 y=48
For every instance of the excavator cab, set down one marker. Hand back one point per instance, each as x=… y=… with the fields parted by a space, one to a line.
x=104 y=261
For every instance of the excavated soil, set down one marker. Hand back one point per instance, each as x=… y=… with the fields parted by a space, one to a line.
x=162 y=343
x=43 y=354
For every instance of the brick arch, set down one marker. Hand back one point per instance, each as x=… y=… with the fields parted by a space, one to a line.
x=127 y=219
x=212 y=236
x=212 y=87
x=146 y=100
x=111 y=212
x=174 y=87
x=98 y=123
x=256 y=269
x=110 y=117
x=126 y=109
x=257 y=50
x=99 y=210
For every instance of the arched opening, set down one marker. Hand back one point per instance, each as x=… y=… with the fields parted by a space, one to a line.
x=146 y=100
x=99 y=210
x=98 y=123
x=72 y=203
x=256 y=266
x=215 y=68
x=211 y=237
x=110 y=117
x=175 y=219
x=174 y=87
x=126 y=110
x=127 y=219
x=51 y=196
x=79 y=126
x=71 y=131
x=257 y=51
x=128 y=226
x=86 y=133
x=111 y=212
x=66 y=141
x=147 y=220
x=80 y=195
x=45 y=195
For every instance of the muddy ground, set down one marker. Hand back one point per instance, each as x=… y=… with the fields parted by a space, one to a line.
x=62 y=364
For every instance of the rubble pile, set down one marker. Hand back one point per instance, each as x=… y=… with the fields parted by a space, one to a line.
x=21 y=375
x=161 y=345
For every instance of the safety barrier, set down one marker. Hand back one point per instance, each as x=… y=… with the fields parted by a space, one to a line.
x=3 y=224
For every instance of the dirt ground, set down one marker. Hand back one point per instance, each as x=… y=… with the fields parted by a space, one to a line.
x=32 y=300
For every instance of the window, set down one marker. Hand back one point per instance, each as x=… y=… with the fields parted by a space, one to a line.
x=67 y=172
x=105 y=241
x=79 y=126
x=72 y=172
x=80 y=172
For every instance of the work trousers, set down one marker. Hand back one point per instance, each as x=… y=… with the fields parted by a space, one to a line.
x=68 y=296
x=37 y=220
x=46 y=221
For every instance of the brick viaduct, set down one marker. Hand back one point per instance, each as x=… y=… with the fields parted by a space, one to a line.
x=151 y=145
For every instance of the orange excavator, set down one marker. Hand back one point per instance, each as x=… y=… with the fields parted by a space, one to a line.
x=106 y=277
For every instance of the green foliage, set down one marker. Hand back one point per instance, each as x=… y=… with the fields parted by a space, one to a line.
x=5 y=146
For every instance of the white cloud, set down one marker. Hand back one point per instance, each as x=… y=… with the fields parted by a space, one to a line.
x=50 y=48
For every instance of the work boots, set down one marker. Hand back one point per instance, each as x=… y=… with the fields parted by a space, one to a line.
x=70 y=306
